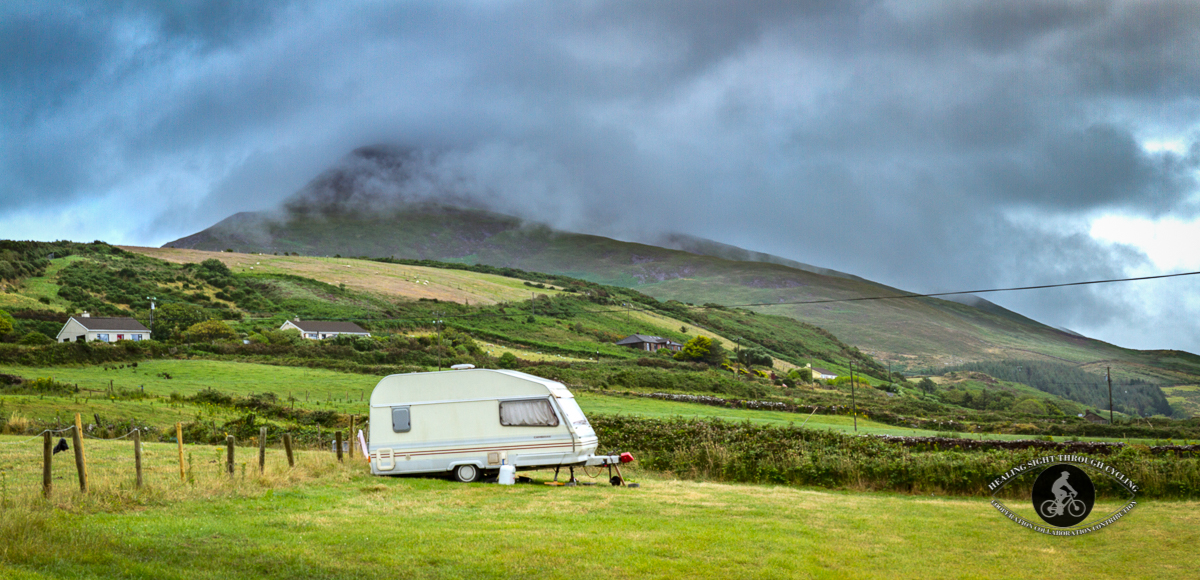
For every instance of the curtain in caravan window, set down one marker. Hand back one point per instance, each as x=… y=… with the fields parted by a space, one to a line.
x=528 y=413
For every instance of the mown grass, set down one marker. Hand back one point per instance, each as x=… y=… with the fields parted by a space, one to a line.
x=324 y=520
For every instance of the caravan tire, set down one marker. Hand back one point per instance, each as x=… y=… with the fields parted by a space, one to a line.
x=466 y=473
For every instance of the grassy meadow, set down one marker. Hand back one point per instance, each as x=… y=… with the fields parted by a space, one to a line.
x=328 y=520
x=320 y=389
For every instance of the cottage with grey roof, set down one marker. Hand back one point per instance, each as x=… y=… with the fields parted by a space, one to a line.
x=321 y=329
x=649 y=343
x=87 y=328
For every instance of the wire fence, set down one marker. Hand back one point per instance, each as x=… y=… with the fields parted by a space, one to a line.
x=78 y=465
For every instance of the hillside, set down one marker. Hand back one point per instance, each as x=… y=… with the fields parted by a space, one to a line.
x=532 y=313
x=917 y=335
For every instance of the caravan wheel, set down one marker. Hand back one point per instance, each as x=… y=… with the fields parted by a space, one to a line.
x=466 y=473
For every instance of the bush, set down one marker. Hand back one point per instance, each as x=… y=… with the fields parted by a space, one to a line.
x=702 y=348
x=209 y=331
x=35 y=338
x=508 y=360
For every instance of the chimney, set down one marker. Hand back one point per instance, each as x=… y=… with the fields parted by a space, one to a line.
x=297 y=319
x=85 y=314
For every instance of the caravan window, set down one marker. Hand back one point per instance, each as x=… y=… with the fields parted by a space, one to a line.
x=536 y=413
x=400 y=420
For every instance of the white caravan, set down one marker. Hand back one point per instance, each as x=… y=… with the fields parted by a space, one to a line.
x=470 y=422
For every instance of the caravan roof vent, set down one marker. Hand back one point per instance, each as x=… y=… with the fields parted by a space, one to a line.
x=462 y=367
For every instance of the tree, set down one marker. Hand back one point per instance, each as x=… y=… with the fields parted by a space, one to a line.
x=803 y=374
x=755 y=356
x=209 y=331
x=926 y=384
x=175 y=315
x=508 y=360
x=702 y=348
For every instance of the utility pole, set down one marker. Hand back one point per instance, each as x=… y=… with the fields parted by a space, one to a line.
x=151 y=299
x=438 y=323
x=853 y=399
x=738 y=355
x=1108 y=375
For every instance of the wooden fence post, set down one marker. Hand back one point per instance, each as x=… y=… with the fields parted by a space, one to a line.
x=262 y=449
x=229 y=454
x=179 y=441
x=338 y=437
x=80 y=459
x=137 y=455
x=352 y=437
x=287 y=446
x=47 y=455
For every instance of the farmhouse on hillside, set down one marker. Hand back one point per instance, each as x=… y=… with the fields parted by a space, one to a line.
x=87 y=328
x=649 y=343
x=319 y=329
x=1094 y=418
x=818 y=373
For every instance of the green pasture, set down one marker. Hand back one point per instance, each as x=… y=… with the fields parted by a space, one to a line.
x=329 y=520
x=332 y=389
x=316 y=389
x=1185 y=398
x=657 y=408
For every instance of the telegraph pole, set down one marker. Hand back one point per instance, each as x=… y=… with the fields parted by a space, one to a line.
x=1108 y=375
x=853 y=399
x=438 y=323
x=151 y=299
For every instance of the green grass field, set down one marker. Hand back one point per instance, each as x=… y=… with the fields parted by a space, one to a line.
x=342 y=392
x=657 y=408
x=325 y=520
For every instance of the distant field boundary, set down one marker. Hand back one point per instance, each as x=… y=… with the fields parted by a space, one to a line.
x=920 y=443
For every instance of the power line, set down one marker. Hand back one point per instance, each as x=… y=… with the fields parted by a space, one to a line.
x=935 y=294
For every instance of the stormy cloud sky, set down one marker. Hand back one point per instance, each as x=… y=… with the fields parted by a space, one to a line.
x=932 y=146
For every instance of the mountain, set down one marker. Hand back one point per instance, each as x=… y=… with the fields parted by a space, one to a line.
x=382 y=202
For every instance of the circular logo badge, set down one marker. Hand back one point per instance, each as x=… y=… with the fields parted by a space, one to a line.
x=1063 y=495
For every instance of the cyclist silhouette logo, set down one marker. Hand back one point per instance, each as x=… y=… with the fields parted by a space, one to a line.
x=1063 y=495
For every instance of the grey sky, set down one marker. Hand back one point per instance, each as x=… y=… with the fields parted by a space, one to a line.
x=931 y=146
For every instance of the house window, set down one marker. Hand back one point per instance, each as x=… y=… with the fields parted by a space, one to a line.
x=136 y=336
x=530 y=413
x=120 y=337
x=102 y=336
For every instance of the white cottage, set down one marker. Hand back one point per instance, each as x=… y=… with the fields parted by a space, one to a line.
x=86 y=328
x=819 y=373
x=318 y=329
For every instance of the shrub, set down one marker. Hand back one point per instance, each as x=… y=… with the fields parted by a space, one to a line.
x=209 y=331
x=35 y=338
x=702 y=348
x=508 y=360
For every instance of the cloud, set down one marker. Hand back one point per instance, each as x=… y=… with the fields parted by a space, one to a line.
x=930 y=146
